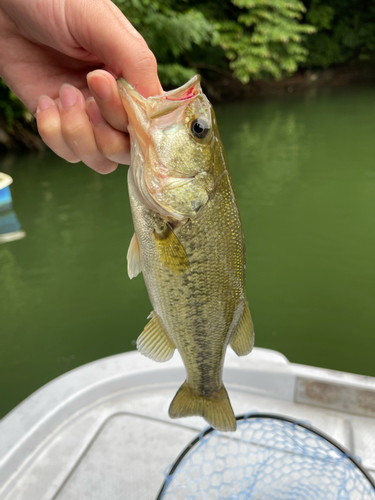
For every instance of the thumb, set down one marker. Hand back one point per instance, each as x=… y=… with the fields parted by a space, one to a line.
x=101 y=28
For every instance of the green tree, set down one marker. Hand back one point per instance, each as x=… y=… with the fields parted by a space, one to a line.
x=254 y=38
x=345 y=31
x=171 y=30
x=11 y=108
x=265 y=39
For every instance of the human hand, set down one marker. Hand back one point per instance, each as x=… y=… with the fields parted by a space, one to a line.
x=47 y=43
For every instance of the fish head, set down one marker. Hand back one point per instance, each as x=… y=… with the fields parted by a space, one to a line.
x=173 y=140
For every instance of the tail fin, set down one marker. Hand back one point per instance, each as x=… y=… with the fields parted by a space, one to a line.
x=215 y=409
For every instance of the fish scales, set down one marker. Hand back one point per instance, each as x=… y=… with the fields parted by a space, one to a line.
x=193 y=267
x=205 y=310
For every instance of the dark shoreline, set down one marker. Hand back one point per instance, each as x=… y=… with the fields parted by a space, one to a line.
x=227 y=89
x=22 y=137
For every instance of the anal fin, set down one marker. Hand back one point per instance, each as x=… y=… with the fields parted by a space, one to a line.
x=243 y=341
x=134 y=258
x=153 y=342
x=215 y=409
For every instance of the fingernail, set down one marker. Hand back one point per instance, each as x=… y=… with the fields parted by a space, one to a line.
x=44 y=103
x=99 y=85
x=68 y=95
x=93 y=112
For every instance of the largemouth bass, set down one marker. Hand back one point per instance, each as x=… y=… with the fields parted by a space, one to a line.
x=188 y=243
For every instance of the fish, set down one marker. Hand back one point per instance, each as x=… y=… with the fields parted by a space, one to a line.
x=188 y=243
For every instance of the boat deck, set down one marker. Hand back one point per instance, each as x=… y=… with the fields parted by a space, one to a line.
x=102 y=431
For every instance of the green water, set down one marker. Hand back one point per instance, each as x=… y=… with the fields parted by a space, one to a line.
x=304 y=171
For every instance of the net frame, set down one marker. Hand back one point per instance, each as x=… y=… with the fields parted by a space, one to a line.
x=255 y=415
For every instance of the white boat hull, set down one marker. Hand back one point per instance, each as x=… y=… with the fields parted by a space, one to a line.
x=102 y=431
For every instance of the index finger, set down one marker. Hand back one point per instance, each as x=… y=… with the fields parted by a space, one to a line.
x=104 y=88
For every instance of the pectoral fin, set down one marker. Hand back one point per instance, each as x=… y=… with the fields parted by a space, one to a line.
x=243 y=341
x=171 y=253
x=134 y=258
x=153 y=342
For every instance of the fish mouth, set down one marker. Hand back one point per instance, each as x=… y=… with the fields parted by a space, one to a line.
x=135 y=107
x=141 y=113
x=159 y=105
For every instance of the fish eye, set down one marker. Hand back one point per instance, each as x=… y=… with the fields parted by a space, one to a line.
x=199 y=128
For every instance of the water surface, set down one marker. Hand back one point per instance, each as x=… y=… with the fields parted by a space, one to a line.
x=304 y=172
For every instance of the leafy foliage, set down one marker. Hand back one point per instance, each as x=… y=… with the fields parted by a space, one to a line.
x=345 y=31
x=170 y=31
x=257 y=38
x=174 y=74
x=265 y=40
x=10 y=106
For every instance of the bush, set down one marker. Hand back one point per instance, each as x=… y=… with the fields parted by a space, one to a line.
x=254 y=38
x=11 y=108
x=345 y=32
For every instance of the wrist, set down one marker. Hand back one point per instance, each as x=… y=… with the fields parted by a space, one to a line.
x=9 y=46
x=4 y=35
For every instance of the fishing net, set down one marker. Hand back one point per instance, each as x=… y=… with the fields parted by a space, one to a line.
x=268 y=457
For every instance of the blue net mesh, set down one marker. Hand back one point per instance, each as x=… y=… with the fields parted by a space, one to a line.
x=265 y=459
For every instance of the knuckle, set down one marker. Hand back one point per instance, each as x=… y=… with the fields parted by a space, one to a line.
x=112 y=144
x=48 y=128
x=73 y=128
x=147 y=61
x=109 y=150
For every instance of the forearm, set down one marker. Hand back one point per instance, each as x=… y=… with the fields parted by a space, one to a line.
x=6 y=34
